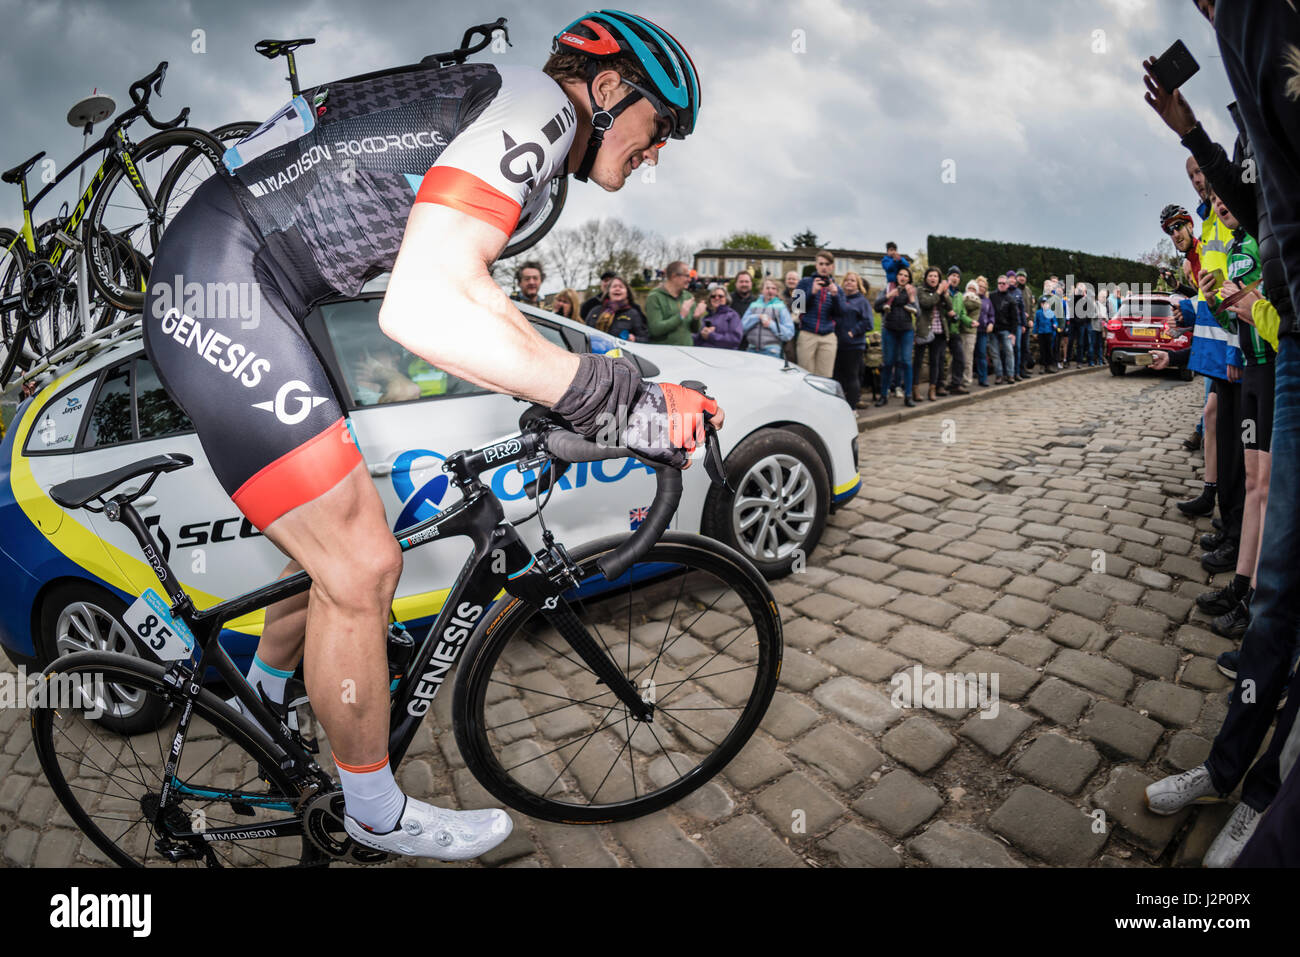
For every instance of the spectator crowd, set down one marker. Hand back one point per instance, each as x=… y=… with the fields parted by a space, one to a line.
x=939 y=337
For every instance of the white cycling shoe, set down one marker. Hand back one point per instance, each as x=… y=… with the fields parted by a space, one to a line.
x=427 y=831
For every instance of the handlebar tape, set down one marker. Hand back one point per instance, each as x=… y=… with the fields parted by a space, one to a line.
x=668 y=494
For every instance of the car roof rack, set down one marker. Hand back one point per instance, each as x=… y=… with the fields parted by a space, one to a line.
x=86 y=347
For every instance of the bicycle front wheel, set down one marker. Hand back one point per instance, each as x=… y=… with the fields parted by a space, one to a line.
x=123 y=229
x=693 y=626
x=232 y=806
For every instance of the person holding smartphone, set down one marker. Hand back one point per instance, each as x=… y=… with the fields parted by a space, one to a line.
x=823 y=304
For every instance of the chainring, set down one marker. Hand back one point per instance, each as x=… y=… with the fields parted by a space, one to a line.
x=323 y=825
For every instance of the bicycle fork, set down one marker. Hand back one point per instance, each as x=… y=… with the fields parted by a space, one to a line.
x=541 y=583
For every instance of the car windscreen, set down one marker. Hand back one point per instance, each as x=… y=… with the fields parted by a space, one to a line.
x=1144 y=309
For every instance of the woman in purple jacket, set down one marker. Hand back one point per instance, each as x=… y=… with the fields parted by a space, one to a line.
x=720 y=327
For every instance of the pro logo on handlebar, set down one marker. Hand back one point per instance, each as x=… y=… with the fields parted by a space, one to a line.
x=502 y=450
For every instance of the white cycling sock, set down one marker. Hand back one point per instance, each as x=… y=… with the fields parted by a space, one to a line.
x=271 y=680
x=371 y=794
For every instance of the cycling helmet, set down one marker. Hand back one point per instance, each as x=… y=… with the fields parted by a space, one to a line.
x=673 y=85
x=1174 y=215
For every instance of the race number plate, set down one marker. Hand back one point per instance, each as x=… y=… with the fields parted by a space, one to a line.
x=149 y=619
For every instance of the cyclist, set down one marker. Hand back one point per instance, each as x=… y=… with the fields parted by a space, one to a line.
x=425 y=173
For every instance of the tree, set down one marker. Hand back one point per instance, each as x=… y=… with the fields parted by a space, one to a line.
x=747 y=241
x=805 y=240
x=1162 y=254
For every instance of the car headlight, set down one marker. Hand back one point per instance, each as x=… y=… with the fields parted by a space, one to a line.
x=821 y=384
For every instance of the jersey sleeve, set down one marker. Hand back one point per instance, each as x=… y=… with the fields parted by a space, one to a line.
x=515 y=145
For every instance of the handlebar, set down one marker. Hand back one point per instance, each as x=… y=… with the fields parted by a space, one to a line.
x=543 y=437
x=141 y=91
x=485 y=30
x=668 y=494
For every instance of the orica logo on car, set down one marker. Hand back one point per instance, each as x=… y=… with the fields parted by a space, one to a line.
x=425 y=501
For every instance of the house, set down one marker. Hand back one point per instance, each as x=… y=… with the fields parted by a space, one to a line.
x=777 y=262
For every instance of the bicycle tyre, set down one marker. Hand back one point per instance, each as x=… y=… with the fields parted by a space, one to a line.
x=13 y=263
x=142 y=236
x=558 y=193
x=506 y=621
x=230 y=726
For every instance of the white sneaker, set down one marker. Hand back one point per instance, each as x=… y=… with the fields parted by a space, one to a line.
x=1232 y=839
x=1170 y=795
x=427 y=831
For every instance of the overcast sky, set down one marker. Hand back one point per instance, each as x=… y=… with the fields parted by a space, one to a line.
x=1049 y=140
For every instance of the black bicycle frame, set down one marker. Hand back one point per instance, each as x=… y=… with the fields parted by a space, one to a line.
x=477 y=516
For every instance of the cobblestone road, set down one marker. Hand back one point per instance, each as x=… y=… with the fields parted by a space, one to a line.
x=976 y=546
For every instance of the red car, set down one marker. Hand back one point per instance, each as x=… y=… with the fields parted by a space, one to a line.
x=1143 y=323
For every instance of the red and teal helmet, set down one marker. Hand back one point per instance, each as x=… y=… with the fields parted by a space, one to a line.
x=674 y=86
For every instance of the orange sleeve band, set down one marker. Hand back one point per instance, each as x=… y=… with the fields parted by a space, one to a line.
x=448 y=186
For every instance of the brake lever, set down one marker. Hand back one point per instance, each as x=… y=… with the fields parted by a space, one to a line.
x=712 y=448
x=713 y=466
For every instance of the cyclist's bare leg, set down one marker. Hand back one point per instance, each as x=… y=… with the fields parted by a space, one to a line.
x=343 y=541
x=285 y=628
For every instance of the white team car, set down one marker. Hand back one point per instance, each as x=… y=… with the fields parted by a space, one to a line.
x=790 y=443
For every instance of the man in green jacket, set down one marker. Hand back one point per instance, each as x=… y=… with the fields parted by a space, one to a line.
x=668 y=309
x=957 y=327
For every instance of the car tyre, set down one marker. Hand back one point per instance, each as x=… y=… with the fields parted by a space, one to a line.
x=797 y=512
x=1117 y=368
x=79 y=616
x=1186 y=374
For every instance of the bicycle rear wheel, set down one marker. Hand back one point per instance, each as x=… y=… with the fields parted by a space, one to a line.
x=110 y=782
x=697 y=632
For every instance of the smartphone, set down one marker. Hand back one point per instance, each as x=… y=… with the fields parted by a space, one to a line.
x=1175 y=67
x=1219 y=278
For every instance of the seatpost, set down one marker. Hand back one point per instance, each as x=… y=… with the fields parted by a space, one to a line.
x=120 y=509
x=293 y=73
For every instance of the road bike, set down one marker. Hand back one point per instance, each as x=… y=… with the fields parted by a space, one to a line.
x=593 y=686
x=131 y=197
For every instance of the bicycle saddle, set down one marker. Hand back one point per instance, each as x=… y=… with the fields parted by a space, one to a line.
x=274 y=48
x=75 y=493
x=14 y=175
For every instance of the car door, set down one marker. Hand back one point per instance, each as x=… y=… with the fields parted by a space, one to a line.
x=409 y=416
x=211 y=548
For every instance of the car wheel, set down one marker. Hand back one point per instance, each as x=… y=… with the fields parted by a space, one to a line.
x=79 y=616
x=1118 y=368
x=777 y=511
x=1186 y=374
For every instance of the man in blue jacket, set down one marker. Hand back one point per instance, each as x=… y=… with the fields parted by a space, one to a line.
x=823 y=304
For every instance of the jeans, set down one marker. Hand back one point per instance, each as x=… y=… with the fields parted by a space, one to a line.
x=1270 y=640
x=957 y=347
x=848 y=372
x=1079 y=341
x=776 y=349
x=981 y=365
x=897 y=345
x=1021 y=351
x=1007 y=347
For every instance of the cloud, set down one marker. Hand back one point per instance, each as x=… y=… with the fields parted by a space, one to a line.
x=1052 y=142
